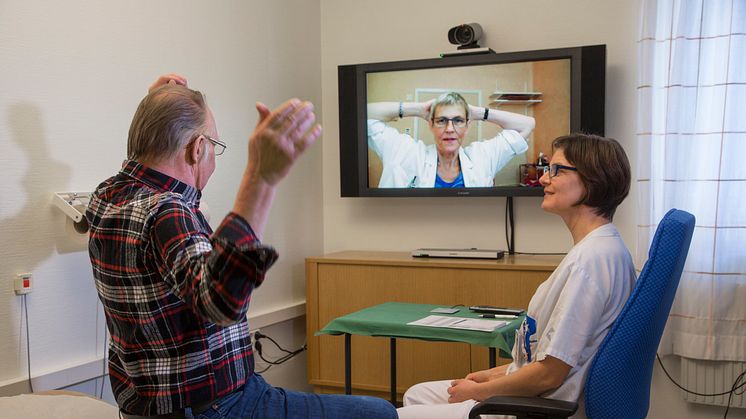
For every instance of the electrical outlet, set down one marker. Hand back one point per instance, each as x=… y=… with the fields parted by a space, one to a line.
x=23 y=284
x=252 y=337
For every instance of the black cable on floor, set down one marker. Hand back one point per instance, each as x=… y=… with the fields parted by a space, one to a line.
x=288 y=354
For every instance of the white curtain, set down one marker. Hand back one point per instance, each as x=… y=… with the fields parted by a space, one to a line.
x=691 y=138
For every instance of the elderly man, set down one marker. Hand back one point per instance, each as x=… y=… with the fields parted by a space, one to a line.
x=176 y=293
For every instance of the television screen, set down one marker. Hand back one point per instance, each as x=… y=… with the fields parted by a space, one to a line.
x=470 y=125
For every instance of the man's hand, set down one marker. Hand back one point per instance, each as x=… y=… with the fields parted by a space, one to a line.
x=279 y=138
x=172 y=78
x=463 y=389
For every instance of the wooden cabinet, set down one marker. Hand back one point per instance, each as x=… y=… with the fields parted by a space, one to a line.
x=344 y=282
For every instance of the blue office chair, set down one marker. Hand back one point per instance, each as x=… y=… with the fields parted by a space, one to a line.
x=618 y=382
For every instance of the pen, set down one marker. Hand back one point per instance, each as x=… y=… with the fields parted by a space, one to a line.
x=497 y=316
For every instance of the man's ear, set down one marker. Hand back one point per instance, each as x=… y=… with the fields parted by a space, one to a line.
x=195 y=150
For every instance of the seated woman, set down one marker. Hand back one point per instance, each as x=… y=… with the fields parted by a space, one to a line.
x=408 y=162
x=572 y=311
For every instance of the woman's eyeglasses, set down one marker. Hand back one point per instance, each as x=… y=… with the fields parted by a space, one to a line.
x=554 y=169
x=442 y=122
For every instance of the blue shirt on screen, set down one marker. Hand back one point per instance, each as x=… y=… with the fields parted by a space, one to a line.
x=457 y=183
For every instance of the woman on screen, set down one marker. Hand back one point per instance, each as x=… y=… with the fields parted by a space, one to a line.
x=409 y=162
x=572 y=311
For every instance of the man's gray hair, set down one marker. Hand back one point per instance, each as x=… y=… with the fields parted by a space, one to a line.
x=449 y=99
x=166 y=120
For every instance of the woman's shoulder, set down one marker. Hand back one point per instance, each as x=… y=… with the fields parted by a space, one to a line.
x=604 y=240
x=603 y=250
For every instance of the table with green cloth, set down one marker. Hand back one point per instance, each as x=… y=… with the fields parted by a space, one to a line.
x=390 y=320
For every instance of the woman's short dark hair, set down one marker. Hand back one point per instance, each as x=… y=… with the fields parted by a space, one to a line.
x=603 y=168
x=165 y=121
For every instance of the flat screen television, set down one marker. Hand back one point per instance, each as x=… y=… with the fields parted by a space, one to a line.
x=561 y=89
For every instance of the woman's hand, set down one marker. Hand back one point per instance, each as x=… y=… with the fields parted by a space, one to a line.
x=462 y=390
x=480 y=376
x=424 y=109
x=487 y=375
x=476 y=113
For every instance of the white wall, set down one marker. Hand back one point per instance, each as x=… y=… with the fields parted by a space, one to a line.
x=389 y=30
x=71 y=76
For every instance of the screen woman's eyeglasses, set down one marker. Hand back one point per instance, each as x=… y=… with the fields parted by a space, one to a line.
x=219 y=145
x=457 y=122
x=554 y=169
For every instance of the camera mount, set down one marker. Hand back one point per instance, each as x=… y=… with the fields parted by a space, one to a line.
x=466 y=37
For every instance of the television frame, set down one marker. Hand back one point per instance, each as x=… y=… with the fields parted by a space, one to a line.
x=587 y=101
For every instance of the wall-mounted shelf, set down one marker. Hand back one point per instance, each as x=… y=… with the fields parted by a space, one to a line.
x=514 y=98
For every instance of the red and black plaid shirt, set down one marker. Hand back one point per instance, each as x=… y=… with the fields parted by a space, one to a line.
x=174 y=293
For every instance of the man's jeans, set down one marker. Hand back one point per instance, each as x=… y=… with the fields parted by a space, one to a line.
x=259 y=400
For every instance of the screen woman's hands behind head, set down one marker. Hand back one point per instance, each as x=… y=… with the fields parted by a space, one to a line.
x=280 y=137
x=424 y=112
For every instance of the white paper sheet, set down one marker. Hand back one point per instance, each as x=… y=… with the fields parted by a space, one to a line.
x=482 y=325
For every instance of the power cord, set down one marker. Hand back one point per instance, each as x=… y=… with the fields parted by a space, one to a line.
x=105 y=350
x=510 y=232
x=28 y=344
x=270 y=363
x=509 y=225
x=737 y=385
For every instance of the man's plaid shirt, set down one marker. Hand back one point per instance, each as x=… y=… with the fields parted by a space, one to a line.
x=174 y=293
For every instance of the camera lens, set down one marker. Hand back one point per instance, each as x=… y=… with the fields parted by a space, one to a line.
x=464 y=34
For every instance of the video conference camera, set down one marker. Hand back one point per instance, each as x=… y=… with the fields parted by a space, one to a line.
x=466 y=35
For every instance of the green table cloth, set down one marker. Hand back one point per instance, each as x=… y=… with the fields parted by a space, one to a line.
x=390 y=320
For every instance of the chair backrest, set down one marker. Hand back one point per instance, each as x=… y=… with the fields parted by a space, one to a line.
x=618 y=383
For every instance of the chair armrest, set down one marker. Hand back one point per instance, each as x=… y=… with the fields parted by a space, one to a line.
x=518 y=406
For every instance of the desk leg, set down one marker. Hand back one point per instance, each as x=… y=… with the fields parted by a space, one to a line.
x=348 y=364
x=393 y=371
x=493 y=357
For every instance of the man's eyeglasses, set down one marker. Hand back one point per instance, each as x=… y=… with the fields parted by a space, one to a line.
x=219 y=145
x=457 y=122
x=554 y=169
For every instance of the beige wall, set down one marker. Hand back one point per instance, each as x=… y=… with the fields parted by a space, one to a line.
x=388 y=30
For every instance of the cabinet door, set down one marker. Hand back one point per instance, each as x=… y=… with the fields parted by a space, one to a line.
x=344 y=289
x=513 y=289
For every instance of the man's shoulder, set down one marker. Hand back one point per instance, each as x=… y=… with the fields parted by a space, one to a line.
x=124 y=192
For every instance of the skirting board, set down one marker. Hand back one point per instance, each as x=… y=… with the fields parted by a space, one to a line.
x=80 y=372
